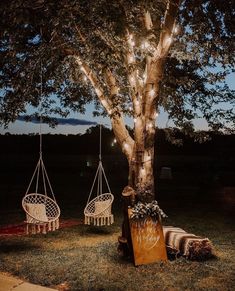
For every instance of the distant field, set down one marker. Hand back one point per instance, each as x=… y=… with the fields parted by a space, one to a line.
x=205 y=180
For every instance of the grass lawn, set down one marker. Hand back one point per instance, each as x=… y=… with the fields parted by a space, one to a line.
x=86 y=258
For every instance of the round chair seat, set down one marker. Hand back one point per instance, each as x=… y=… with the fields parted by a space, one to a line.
x=98 y=210
x=40 y=208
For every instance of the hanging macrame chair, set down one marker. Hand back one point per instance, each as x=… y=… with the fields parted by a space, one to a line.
x=98 y=210
x=42 y=211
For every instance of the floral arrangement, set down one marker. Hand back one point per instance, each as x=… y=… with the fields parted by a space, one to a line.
x=143 y=210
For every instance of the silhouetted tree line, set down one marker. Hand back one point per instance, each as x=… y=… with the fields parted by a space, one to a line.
x=88 y=143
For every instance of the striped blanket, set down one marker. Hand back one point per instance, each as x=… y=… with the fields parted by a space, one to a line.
x=181 y=243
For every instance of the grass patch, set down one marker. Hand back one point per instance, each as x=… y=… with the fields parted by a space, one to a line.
x=86 y=258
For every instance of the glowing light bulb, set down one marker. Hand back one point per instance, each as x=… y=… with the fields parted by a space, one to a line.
x=145 y=44
x=131 y=59
x=169 y=40
x=150 y=125
x=155 y=114
x=99 y=93
x=115 y=141
x=152 y=92
x=125 y=145
x=82 y=69
x=85 y=78
x=130 y=40
x=142 y=171
x=176 y=29
x=132 y=79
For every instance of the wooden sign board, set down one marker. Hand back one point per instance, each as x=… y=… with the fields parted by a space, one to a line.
x=147 y=240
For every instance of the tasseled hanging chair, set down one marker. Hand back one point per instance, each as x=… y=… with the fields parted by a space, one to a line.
x=98 y=210
x=42 y=211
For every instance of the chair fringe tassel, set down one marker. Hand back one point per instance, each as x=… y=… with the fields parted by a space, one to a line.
x=33 y=228
x=99 y=220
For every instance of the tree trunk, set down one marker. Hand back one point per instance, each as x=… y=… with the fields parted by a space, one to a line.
x=141 y=177
x=141 y=183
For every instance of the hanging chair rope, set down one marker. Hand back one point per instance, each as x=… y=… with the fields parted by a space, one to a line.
x=42 y=212
x=99 y=173
x=99 y=188
x=40 y=118
x=40 y=165
x=98 y=210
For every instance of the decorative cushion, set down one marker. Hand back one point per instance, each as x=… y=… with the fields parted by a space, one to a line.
x=38 y=211
x=103 y=207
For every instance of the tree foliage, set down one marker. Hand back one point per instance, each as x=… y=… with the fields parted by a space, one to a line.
x=45 y=37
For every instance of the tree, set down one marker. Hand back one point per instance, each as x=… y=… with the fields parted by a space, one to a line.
x=129 y=57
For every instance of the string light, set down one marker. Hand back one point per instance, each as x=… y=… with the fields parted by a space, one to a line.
x=142 y=170
x=169 y=40
x=85 y=78
x=145 y=44
x=125 y=145
x=99 y=93
x=130 y=40
x=132 y=43
x=115 y=141
x=150 y=125
x=82 y=69
x=131 y=59
x=176 y=29
x=132 y=79
x=152 y=92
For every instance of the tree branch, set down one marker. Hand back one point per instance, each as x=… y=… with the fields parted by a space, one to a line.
x=148 y=20
x=119 y=128
x=156 y=66
x=120 y=131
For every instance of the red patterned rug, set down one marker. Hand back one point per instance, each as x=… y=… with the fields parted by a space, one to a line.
x=19 y=229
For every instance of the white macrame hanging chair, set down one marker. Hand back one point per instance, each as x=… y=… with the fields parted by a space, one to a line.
x=42 y=211
x=98 y=211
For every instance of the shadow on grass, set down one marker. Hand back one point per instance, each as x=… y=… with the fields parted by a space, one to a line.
x=15 y=247
x=105 y=230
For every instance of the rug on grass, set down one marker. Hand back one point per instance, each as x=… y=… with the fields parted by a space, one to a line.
x=19 y=229
x=180 y=243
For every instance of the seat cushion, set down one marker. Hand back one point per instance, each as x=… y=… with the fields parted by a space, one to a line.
x=38 y=211
x=103 y=207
